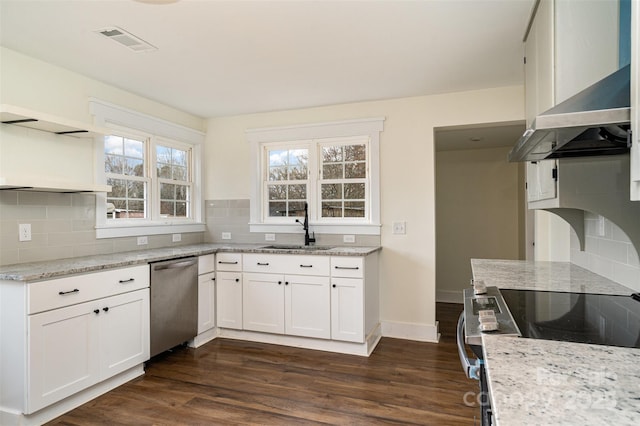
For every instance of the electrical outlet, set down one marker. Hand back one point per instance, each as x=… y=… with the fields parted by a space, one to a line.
x=176 y=238
x=226 y=235
x=24 y=232
x=269 y=237
x=143 y=241
x=600 y=228
x=349 y=238
x=399 y=228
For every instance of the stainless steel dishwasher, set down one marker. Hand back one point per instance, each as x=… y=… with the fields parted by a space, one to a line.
x=174 y=303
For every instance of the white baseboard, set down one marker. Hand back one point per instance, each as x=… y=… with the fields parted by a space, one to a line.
x=411 y=331
x=449 y=296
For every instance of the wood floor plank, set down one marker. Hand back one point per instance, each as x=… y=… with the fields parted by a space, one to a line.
x=231 y=382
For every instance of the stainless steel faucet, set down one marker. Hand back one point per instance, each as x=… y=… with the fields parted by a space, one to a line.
x=307 y=239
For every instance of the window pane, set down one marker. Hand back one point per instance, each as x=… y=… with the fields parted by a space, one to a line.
x=355 y=170
x=136 y=209
x=163 y=154
x=298 y=192
x=277 y=208
x=331 y=209
x=164 y=171
x=296 y=208
x=354 y=209
x=182 y=192
x=278 y=158
x=167 y=208
x=181 y=209
x=332 y=154
x=133 y=167
x=277 y=192
x=332 y=171
x=113 y=145
x=354 y=191
x=278 y=173
x=167 y=191
x=134 y=148
x=332 y=191
x=355 y=153
x=136 y=189
x=179 y=173
x=298 y=172
x=113 y=164
x=118 y=188
x=178 y=157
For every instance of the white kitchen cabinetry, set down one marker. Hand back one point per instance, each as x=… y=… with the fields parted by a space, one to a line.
x=229 y=290
x=347 y=299
x=75 y=347
x=67 y=340
x=294 y=303
x=206 y=293
x=635 y=101
x=541 y=180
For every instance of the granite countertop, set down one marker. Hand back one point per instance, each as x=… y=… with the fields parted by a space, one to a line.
x=37 y=271
x=542 y=382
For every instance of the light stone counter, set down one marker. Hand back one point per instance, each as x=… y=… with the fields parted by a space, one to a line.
x=38 y=271
x=542 y=382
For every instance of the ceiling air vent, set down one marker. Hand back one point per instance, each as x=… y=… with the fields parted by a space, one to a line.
x=126 y=39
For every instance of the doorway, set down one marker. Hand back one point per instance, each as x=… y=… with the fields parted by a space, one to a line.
x=480 y=202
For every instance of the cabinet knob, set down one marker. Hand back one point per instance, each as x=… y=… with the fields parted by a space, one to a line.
x=213 y=279
x=106 y=309
x=96 y=311
x=279 y=282
x=334 y=286
x=286 y=283
x=237 y=279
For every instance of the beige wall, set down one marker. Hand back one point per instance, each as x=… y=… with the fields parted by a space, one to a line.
x=407 y=262
x=478 y=214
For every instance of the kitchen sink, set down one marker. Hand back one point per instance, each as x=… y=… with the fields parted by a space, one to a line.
x=295 y=247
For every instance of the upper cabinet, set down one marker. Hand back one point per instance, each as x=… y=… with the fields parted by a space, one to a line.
x=42 y=152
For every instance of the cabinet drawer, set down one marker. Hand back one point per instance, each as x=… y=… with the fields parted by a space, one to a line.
x=229 y=262
x=348 y=267
x=206 y=264
x=307 y=265
x=56 y=293
x=271 y=263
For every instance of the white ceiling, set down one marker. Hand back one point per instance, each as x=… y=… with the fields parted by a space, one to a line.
x=218 y=58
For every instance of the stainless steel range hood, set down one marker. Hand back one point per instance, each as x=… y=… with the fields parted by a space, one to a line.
x=592 y=122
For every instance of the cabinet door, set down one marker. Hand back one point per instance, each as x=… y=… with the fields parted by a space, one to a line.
x=63 y=353
x=541 y=181
x=263 y=302
x=229 y=300
x=307 y=306
x=206 y=302
x=347 y=312
x=124 y=332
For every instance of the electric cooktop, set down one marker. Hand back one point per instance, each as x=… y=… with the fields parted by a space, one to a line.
x=576 y=317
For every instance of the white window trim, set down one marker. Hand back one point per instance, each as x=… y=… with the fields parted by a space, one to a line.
x=113 y=116
x=370 y=127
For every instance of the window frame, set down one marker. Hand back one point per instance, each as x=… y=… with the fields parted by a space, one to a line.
x=315 y=135
x=157 y=131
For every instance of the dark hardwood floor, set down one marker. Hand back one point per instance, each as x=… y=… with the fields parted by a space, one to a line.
x=232 y=382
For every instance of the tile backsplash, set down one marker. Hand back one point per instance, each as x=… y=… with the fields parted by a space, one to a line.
x=232 y=216
x=608 y=252
x=62 y=226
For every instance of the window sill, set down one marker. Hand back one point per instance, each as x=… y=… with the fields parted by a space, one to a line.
x=148 y=229
x=350 y=228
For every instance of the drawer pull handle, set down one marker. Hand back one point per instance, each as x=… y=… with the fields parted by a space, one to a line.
x=96 y=311
x=130 y=280
x=222 y=262
x=263 y=264
x=106 y=309
x=62 y=293
x=348 y=267
x=306 y=266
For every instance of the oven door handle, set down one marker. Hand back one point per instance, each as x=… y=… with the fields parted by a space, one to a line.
x=471 y=368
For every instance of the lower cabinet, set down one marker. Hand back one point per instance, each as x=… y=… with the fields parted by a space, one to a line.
x=347 y=309
x=206 y=301
x=297 y=305
x=229 y=300
x=74 y=347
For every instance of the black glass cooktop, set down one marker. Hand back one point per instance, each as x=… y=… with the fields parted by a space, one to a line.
x=576 y=317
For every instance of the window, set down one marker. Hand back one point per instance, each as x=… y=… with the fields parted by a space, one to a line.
x=334 y=167
x=153 y=168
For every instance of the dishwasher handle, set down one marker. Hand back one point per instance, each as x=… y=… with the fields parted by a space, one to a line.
x=175 y=265
x=471 y=368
